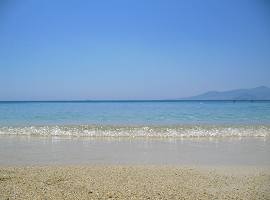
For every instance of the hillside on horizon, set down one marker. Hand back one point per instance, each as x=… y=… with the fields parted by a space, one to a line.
x=258 y=93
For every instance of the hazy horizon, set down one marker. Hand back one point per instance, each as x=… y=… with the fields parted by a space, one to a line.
x=135 y=50
x=165 y=99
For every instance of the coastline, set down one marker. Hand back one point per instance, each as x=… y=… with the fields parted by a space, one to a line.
x=34 y=150
x=136 y=130
x=38 y=167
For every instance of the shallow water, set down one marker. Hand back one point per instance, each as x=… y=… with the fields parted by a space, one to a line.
x=137 y=118
x=134 y=113
x=153 y=132
x=24 y=150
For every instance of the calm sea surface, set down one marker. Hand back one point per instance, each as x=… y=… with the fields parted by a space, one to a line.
x=136 y=118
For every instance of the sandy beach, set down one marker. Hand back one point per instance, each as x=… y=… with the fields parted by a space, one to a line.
x=134 y=182
x=115 y=168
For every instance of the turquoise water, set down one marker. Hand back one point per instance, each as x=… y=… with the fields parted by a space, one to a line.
x=170 y=118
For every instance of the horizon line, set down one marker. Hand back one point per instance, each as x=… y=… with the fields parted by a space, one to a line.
x=125 y=100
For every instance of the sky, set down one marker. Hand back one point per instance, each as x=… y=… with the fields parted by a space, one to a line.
x=135 y=49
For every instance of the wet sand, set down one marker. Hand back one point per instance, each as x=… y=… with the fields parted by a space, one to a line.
x=134 y=182
x=122 y=168
x=25 y=151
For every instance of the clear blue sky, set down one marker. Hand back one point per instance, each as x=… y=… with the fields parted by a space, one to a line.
x=135 y=49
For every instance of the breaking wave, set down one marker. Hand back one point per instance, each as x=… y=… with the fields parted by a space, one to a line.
x=140 y=131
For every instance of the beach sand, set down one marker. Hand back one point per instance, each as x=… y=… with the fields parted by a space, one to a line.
x=134 y=182
x=116 y=168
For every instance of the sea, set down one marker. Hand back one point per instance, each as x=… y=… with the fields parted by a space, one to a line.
x=173 y=119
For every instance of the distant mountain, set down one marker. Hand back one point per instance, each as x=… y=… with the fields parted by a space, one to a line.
x=258 y=93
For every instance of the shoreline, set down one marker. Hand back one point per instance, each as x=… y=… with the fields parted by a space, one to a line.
x=29 y=150
x=34 y=167
x=144 y=131
x=134 y=182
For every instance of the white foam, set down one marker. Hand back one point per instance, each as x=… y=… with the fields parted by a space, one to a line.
x=140 y=131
